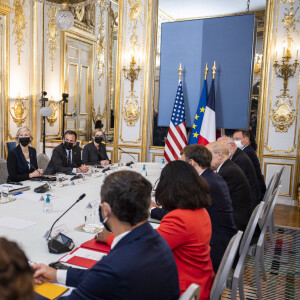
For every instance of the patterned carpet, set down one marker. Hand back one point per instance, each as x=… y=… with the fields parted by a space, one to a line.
x=282 y=263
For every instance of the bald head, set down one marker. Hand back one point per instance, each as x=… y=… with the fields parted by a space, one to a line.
x=228 y=143
x=219 y=154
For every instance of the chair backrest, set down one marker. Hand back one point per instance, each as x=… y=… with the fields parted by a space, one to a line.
x=279 y=178
x=247 y=237
x=268 y=215
x=9 y=146
x=270 y=187
x=78 y=143
x=43 y=161
x=3 y=171
x=192 y=292
x=225 y=266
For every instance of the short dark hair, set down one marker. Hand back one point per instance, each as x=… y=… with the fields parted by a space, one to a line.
x=16 y=276
x=128 y=194
x=180 y=186
x=70 y=132
x=200 y=154
x=245 y=133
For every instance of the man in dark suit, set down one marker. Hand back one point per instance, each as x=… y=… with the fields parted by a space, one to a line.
x=242 y=140
x=239 y=188
x=244 y=162
x=140 y=264
x=66 y=157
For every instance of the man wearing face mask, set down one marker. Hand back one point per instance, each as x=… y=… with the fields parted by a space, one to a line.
x=66 y=157
x=243 y=141
x=243 y=161
x=94 y=153
x=140 y=264
x=21 y=161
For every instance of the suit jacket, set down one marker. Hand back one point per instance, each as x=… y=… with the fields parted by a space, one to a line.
x=17 y=165
x=59 y=160
x=221 y=215
x=188 y=233
x=253 y=157
x=90 y=154
x=140 y=266
x=239 y=190
x=244 y=162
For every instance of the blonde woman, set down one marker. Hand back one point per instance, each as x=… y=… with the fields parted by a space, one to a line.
x=21 y=161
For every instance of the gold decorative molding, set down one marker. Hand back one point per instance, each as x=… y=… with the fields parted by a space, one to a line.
x=99 y=116
x=20 y=26
x=53 y=118
x=100 y=45
x=52 y=34
x=289 y=194
x=289 y=150
x=18 y=111
x=131 y=112
x=5 y=8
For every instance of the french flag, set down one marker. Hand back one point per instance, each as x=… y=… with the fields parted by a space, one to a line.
x=208 y=128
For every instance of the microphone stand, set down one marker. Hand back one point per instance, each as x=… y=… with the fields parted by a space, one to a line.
x=61 y=243
x=127 y=153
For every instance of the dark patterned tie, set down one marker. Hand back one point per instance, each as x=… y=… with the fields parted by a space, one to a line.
x=69 y=159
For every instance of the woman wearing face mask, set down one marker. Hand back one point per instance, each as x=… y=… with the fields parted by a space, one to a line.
x=21 y=161
x=95 y=152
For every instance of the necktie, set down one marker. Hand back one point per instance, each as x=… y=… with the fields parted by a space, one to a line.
x=69 y=158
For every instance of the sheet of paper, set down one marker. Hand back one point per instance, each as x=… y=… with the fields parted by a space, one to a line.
x=85 y=253
x=15 y=223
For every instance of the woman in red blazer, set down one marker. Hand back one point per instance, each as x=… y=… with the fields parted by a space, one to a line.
x=187 y=228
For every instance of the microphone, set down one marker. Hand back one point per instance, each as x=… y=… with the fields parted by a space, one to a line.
x=61 y=243
x=106 y=169
x=34 y=168
x=127 y=153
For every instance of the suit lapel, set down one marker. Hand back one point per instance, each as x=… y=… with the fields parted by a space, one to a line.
x=24 y=161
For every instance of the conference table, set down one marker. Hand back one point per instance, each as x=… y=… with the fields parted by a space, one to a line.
x=29 y=207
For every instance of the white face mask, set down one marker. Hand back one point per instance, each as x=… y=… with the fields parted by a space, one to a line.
x=239 y=144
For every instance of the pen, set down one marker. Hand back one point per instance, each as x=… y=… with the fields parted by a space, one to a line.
x=18 y=194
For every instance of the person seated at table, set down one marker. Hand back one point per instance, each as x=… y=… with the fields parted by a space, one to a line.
x=66 y=157
x=95 y=152
x=21 y=161
x=15 y=273
x=187 y=227
x=140 y=264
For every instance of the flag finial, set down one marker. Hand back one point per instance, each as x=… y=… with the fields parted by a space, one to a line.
x=205 y=72
x=214 y=68
x=179 y=71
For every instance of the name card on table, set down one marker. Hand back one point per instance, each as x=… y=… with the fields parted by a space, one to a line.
x=94 y=204
x=56 y=230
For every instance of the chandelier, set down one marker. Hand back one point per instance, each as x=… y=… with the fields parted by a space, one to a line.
x=64 y=18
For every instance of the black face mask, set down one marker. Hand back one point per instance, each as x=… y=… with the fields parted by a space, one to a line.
x=68 y=145
x=98 y=139
x=24 y=141
x=103 y=221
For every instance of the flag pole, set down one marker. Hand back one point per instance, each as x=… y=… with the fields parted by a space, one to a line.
x=179 y=72
x=205 y=72
x=214 y=68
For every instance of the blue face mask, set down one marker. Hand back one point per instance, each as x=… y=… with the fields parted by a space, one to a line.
x=103 y=221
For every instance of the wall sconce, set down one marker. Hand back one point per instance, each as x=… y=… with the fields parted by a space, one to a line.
x=285 y=70
x=283 y=114
x=18 y=111
x=132 y=73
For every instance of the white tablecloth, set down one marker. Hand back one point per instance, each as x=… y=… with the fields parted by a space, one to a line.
x=28 y=207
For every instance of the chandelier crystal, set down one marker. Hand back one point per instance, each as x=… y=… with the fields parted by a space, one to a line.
x=64 y=20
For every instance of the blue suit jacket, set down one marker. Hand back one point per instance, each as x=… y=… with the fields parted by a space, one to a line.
x=17 y=166
x=140 y=266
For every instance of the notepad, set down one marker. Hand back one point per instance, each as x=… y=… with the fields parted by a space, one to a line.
x=50 y=290
x=98 y=246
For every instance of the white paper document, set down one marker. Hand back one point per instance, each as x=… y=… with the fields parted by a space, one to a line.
x=15 y=223
x=81 y=252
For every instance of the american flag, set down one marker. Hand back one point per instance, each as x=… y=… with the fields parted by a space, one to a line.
x=176 y=139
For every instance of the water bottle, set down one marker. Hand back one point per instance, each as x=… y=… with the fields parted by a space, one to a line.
x=144 y=172
x=162 y=163
x=47 y=207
